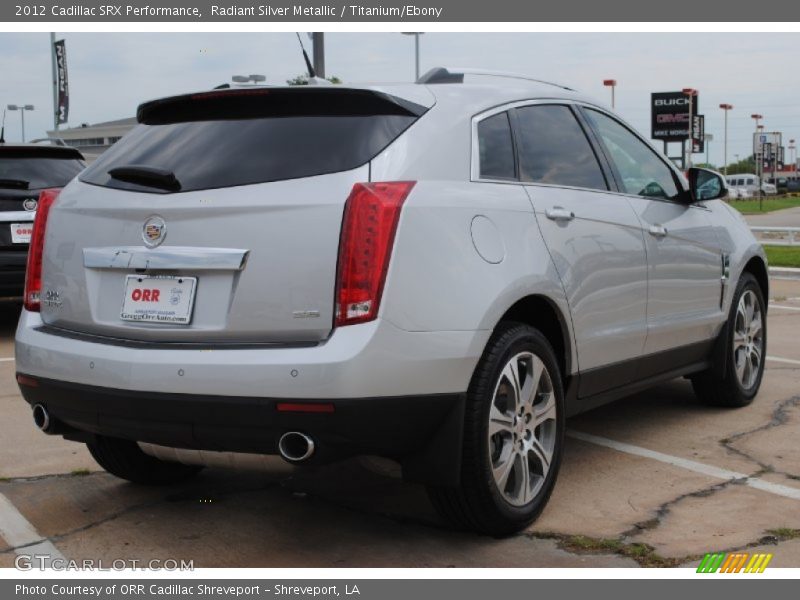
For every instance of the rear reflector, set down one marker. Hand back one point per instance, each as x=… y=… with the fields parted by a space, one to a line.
x=306 y=407
x=370 y=222
x=33 y=275
x=27 y=381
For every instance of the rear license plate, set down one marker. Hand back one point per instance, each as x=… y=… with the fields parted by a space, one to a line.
x=158 y=299
x=21 y=233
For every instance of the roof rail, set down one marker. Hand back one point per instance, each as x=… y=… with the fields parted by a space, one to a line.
x=456 y=75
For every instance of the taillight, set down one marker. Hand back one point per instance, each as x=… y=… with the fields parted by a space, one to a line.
x=370 y=221
x=33 y=275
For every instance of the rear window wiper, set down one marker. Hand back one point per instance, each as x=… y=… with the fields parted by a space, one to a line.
x=147 y=176
x=19 y=184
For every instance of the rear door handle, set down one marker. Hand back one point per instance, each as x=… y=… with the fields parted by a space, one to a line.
x=658 y=231
x=559 y=213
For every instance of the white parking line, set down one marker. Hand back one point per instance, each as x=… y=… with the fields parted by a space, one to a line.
x=689 y=465
x=18 y=533
x=784 y=307
x=11 y=359
x=788 y=361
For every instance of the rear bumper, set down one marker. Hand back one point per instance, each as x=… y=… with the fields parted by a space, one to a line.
x=396 y=393
x=422 y=432
x=12 y=272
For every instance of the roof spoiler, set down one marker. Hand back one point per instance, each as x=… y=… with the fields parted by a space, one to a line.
x=254 y=103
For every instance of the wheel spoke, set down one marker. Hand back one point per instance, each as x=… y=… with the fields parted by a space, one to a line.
x=542 y=455
x=524 y=478
x=499 y=422
x=545 y=410
x=755 y=325
x=503 y=470
x=511 y=375
x=749 y=308
x=756 y=354
x=739 y=340
x=739 y=358
x=741 y=315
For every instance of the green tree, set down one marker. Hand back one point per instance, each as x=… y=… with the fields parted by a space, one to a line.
x=303 y=80
x=747 y=165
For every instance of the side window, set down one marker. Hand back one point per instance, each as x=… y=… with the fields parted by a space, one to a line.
x=496 y=148
x=643 y=172
x=554 y=149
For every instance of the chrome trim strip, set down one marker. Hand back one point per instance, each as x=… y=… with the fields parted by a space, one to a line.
x=165 y=257
x=17 y=216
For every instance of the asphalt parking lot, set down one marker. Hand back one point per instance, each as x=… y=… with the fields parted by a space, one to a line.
x=653 y=480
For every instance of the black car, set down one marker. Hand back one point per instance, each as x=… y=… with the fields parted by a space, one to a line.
x=25 y=170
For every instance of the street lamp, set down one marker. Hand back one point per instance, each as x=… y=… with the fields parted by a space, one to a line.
x=726 y=108
x=757 y=151
x=255 y=78
x=21 y=108
x=707 y=139
x=612 y=83
x=691 y=92
x=416 y=35
x=793 y=155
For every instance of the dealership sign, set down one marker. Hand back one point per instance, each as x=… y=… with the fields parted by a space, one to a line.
x=62 y=82
x=670 y=115
x=698 y=133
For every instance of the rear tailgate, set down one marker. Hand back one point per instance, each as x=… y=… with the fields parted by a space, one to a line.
x=251 y=236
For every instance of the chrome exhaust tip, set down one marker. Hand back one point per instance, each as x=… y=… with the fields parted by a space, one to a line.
x=295 y=447
x=41 y=418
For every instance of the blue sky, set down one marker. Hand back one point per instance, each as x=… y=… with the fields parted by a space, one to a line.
x=110 y=74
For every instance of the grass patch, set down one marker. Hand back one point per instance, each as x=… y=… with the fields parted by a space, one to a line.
x=784 y=533
x=79 y=472
x=783 y=256
x=750 y=206
x=642 y=553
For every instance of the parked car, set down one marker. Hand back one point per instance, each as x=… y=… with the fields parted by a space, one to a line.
x=793 y=185
x=437 y=273
x=744 y=181
x=769 y=189
x=25 y=169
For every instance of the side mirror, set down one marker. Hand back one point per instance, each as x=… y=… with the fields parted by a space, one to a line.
x=706 y=185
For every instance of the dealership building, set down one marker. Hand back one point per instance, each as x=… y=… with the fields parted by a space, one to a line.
x=93 y=140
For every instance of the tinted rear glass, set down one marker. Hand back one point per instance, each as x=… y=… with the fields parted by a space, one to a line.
x=496 y=148
x=222 y=140
x=38 y=173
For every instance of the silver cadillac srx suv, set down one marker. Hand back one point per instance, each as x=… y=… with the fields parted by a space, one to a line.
x=437 y=273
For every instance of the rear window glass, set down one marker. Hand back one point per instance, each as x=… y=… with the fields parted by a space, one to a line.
x=37 y=173
x=222 y=140
x=496 y=148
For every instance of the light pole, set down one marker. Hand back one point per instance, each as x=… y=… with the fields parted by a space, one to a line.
x=726 y=108
x=21 y=108
x=612 y=83
x=757 y=151
x=416 y=35
x=691 y=92
x=793 y=156
x=707 y=139
x=255 y=78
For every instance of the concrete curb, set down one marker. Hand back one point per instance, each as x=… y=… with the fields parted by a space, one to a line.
x=784 y=273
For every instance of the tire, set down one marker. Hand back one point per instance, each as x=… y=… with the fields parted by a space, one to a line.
x=506 y=505
x=732 y=381
x=126 y=460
